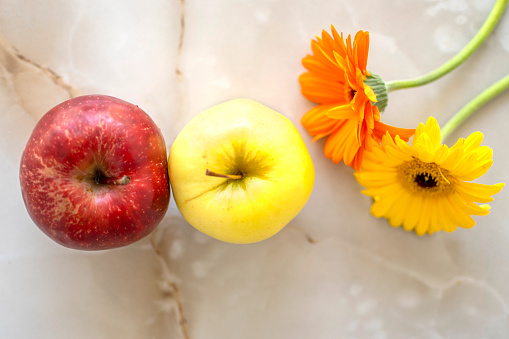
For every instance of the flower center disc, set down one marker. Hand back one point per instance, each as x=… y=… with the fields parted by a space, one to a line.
x=426 y=178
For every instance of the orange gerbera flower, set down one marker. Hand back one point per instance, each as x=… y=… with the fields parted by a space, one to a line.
x=348 y=114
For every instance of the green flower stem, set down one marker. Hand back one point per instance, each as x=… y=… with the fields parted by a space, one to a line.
x=459 y=58
x=473 y=105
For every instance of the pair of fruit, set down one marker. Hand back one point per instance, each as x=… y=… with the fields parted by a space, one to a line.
x=94 y=173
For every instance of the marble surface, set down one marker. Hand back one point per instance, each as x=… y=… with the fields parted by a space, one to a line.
x=335 y=271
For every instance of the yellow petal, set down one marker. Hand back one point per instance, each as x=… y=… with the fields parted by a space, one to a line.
x=370 y=94
x=468 y=206
x=441 y=154
x=463 y=219
x=459 y=144
x=423 y=222
x=427 y=156
x=451 y=160
x=433 y=131
x=478 y=192
x=471 y=173
x=386 y=191
x=418 y=131
x=445 y=220
x=413 y=213
x=376 y=179
x=403 y=145
x=484 y=153
x=473 y=141
x=425 y=140
x=398 y=211
x=378 y=208
x=398 y=154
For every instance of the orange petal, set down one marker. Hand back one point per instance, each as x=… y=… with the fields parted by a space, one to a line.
x=316 y=121
x=368 y=115
x=341 y=112
x=320 y=90
x=380 y=128
x=342 y=144
x=335 y=144
x=361 y=54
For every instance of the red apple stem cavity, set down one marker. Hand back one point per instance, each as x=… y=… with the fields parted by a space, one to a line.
x=227 y=176
x=101 y=179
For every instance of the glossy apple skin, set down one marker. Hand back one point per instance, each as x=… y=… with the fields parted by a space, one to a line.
x=71 y=161
x=240 y=136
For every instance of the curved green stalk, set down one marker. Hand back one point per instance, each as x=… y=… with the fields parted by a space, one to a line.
x=459 y=58
x=473 y=105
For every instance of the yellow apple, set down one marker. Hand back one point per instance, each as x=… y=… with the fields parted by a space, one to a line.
x=240 y=172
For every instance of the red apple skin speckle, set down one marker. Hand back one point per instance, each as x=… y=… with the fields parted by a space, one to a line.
x=80 y=142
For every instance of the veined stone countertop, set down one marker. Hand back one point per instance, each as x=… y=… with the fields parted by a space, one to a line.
x=335 y=271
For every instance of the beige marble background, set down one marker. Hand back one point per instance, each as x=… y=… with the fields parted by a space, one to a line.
x=335 y=271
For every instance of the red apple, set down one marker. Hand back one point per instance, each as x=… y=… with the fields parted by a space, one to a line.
x=94 y=173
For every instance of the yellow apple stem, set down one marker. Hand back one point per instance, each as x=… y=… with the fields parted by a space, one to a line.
x=227 y=176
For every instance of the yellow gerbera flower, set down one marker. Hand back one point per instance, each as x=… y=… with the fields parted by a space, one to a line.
x=425 y=187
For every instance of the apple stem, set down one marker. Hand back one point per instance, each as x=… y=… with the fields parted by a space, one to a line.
x=227 y=176
x=112 y=181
